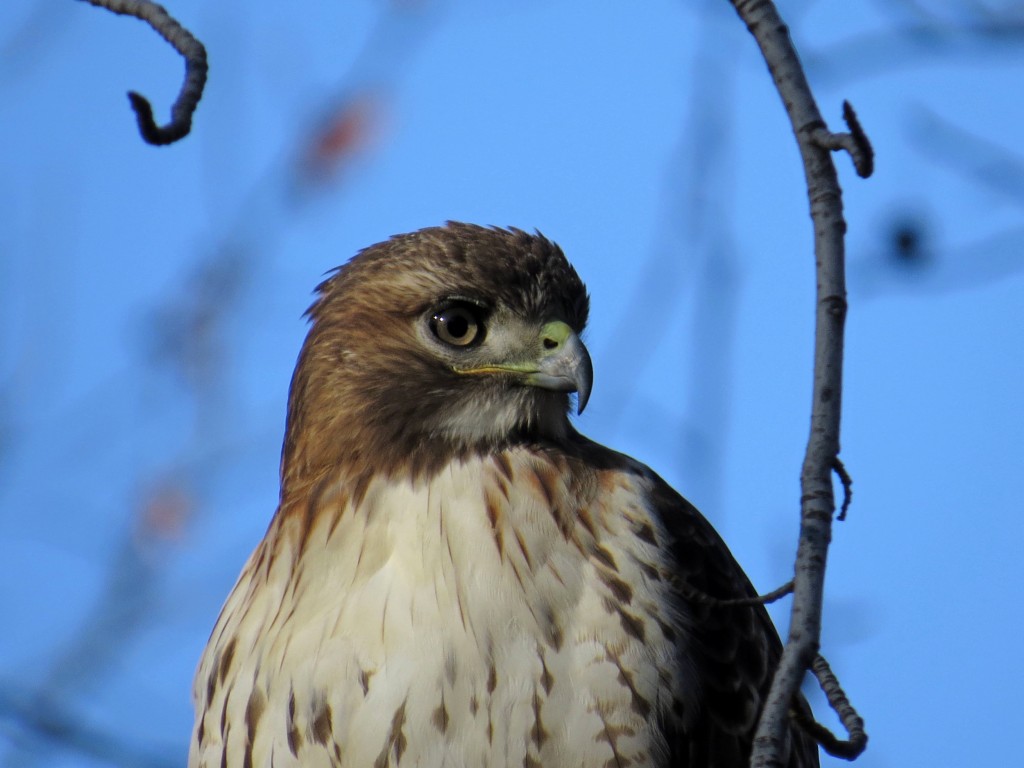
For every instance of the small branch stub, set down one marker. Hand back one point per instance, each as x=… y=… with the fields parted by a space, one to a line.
x=855 y=143
x=847 y=481
x=189 y=47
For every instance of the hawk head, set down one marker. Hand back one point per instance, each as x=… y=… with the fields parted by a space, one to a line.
x=436 y=344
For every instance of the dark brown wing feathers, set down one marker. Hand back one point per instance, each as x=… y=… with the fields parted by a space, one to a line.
x=737 y=648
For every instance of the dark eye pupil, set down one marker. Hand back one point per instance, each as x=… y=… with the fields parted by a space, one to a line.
x=458 y=326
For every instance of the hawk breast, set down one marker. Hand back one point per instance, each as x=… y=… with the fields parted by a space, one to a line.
x=511 y=610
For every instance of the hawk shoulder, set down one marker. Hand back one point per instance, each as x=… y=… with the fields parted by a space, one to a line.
x=733 y=651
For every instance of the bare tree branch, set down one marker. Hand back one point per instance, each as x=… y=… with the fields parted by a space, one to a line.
x=195 y=70
x=817 y=501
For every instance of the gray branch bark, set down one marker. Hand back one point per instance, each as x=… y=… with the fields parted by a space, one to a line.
x=817 y=504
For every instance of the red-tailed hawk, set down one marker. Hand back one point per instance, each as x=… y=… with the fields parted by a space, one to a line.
x=455 y=576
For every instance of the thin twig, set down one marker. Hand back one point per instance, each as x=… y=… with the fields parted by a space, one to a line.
x=857 y=741
x=692 y=593
x=195 y=70
x=817 y=504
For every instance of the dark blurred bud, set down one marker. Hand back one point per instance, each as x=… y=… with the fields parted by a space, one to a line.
x=908 y=243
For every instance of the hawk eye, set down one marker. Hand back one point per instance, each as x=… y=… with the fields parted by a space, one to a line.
x=459 y=325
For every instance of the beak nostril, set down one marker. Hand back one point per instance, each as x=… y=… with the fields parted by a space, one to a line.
x=550 y=343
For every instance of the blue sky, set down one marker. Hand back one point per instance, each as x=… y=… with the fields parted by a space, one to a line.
x=151 y=301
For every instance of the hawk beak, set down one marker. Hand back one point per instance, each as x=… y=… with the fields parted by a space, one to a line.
x=555 y=359
x=564 y=364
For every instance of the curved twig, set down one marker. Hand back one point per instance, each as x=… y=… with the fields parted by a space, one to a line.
x=195 y=70
x=849 y=748
x=817 y=503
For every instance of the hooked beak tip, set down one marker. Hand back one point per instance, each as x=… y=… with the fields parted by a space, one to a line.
x=584 y=382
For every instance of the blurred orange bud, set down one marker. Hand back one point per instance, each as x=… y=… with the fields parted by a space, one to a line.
x=165 y=513
x=346 y=132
